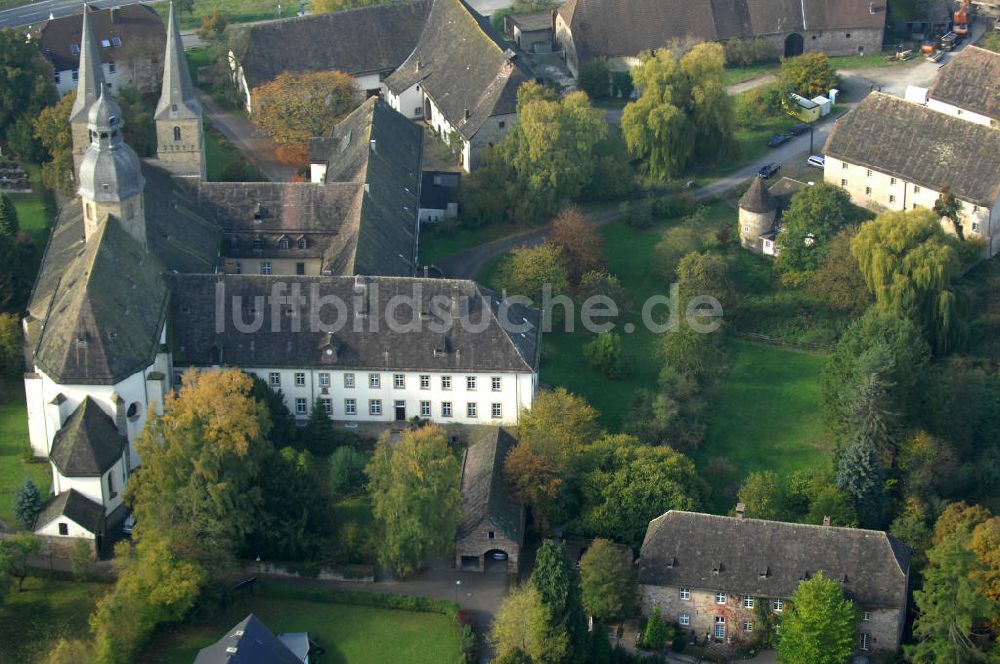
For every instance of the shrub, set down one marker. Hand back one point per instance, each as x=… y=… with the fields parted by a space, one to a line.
x=27 y=504
x=468 y=643
x=744 y=52
x=361 y=598
x=347 y=470
x=80 y=559
x=656 y=633
x=622 y=84
x=668 y=207
x=594 y=78
x=213 y=26
x=635 y=215
x=605 y=353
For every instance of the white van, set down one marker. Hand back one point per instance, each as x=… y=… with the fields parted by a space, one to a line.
x=817 y=161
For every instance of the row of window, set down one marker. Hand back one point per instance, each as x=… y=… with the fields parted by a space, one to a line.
x=719 y=630
x=258 y=243
x=748 y=601
x=265 y=268
x=398 y=381
x=375 y=408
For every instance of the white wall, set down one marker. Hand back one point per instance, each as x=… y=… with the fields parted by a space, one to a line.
x=516 y=393
x=95 y=488
x=409 y=102
x=75 y=530
x=968 y=116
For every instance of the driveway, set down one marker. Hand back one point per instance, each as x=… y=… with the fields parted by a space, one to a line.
x=255 y=146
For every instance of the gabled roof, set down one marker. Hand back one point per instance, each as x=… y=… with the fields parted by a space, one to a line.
x=138 y=31
x=88 y=444
x=532 y=21
x=463 y=67
x=105 y=311
x=770 y=558
x=484 y=492
x=440 y=342
x=920 y=145
x=74 y=506
x=355 y=41
x=616 y=28
x=363 y=220
x=970 y=81
x=248 y=642
x=757 y=198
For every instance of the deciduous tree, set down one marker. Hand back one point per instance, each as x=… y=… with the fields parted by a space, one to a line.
x=24 y=77
x=524 y=625
x=530 y=269
x=818 y=625
x=11 y=346
x=293 y=107
x=606 y=354
x=837 y=280
x=9 y=225
x=815 y=216
x=14 y=553
x=535 y=480
x=607 y=580
x=809 y=74
x=558 y=425
x=579 y=243
x=762 y=496
x=52 y=130
x=414 y=488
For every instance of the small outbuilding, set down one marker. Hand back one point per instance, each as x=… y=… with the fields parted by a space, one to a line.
x=532 y=32
x=491 y=531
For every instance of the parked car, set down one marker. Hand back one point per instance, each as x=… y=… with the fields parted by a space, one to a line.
x=778 y=139
x=128 y=524
x=499 y=555
x=818 y=161
x=798 y=128
x=767 y=170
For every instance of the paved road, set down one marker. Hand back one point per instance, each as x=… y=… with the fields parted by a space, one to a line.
x=36 y=12
x=255 y=146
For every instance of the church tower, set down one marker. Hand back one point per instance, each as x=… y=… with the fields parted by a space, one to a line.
x=180 y=140
x=90 y=83
x=111 y=181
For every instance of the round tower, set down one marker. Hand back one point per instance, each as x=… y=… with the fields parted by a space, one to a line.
x=111 y=181
x=758 y=210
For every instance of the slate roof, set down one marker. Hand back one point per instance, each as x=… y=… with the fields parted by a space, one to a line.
x=177 y=96
x=254 y=643
x=364 y=220
x=438 y=196
x=355 y=41
x=440 y=343
x=770 y=558
x=920 y=145
x=970 y=81
x=74 y=506
x=484 y=493
x=532 y=21
x=757 y=198
x=139 y=30
x=463 y=66
x=616 y=28
x=88 y=444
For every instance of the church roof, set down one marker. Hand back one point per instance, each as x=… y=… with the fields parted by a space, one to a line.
x=757 y=198
x=463 y=66
x=770 y=558
x=920 y=145
x=436 y=341
x=970 y=81
x=484 y=491
x=363 y=220
x=90 y=78
x=88 y=444
x=357 y=41
x=177 y=96
x=105 y=311
x=74 y=506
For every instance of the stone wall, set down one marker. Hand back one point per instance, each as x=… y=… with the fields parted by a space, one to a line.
x=478 y=543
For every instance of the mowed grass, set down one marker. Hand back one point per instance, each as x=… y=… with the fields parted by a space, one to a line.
x=33 y=621
x=219 y=154
x=349 y=634
x=13 y=438
x=237 y=11
x=767 y=415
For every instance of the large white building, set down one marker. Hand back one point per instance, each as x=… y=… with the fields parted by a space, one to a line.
x=133 y=291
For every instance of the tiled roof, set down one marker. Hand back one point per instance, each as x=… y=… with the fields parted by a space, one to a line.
x=88 y=444
x=532 y=21
x=248 y=642
x=139 y=31
x=770 y=558
x=484 y=491
x=463 y=67
x=970 y=81
x=440 y=343
x=74 y=506
x=913 y=142
x=611 y=28
x=354 y=41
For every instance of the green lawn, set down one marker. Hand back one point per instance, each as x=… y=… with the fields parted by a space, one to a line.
x=237 y=11
x=349 y=634
x=734 y=75
x=31 y=622
x=767 y=415
x=219 y=153
x=13 y=438
x=35 y=211
x=437 y=242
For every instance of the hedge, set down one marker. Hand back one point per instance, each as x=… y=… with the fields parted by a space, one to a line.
x=361 y=598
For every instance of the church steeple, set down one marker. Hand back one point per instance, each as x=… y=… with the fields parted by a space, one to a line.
x=111 y=182
x=180 y=144
x=90 y=83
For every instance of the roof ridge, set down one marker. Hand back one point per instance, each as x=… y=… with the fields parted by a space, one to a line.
x=783 y=523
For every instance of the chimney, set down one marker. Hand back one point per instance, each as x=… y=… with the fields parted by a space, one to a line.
x=420 y=64
x=372 y=144
x=826 y=519
x=468 y=114
x=740 y=510
x=116 y=15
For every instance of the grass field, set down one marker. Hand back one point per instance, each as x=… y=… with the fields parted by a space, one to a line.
x=349 y=634
x=13 y=437
x=734 y=75
x=767 y=415
x=48 y=609
x=237 y=11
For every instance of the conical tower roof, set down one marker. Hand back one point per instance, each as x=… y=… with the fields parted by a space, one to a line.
x=758 y=199
x=90 y=81
x=177 y=97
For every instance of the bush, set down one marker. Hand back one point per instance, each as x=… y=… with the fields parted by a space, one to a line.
x=656 y=632
x=27 y=504
x=669 y=207
x=213 y=26
x=744 y=52
x=680 y=641
x=594 y=78
x=360 y=598
x=622 y=84
x=605 y=354
x=468 y=644
x=635 y=215
x=241 y=170
x=347 y=470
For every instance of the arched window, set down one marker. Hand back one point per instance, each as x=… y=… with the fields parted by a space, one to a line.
x=177 y=133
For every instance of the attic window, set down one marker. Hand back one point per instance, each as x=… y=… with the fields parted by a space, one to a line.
x=717 y=568
x=302 y=243
x=74 y=49
x=764 y=573
x=116 y=42
x=106 y=43
x=258 y=244
x=671 y=563
x=283 y=243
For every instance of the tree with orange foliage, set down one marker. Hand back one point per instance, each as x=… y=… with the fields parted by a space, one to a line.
x=534 y=480
x=580 y=244
x=294 y=107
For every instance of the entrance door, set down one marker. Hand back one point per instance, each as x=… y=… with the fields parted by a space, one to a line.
x=400 y=411
x=793 y=45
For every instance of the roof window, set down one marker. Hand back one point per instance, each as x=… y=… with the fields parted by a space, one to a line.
x=74 y=49
x=106 y=43
x=116 y=42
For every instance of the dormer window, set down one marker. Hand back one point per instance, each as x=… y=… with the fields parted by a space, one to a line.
x=106 y=43
x=283 y=243
x=302 y=243
x=116 y=42
x=258 y=244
